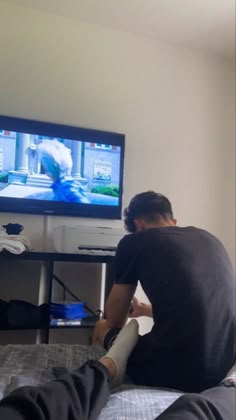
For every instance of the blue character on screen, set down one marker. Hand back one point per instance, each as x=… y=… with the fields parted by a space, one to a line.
x=57 y=163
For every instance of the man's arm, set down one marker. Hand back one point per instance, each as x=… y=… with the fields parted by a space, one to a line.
x=118 y=304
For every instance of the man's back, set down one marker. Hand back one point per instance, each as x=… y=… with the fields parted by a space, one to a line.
x=187 y=276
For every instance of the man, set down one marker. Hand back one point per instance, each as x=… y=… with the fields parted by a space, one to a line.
x=189 y=281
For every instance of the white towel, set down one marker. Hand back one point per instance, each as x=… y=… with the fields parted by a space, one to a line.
x=16 y=244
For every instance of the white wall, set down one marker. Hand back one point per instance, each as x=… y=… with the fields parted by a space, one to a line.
x=175 y=105
x=228 y=203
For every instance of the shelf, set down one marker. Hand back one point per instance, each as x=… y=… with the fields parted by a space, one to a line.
x=22 y=329
x=56 y=327
x=47 y=276
x=51 y=327
x=56 y=256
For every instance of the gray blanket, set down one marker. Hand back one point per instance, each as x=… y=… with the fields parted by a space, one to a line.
x=35 y=364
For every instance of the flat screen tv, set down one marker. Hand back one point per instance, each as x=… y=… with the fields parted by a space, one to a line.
x=55 y=169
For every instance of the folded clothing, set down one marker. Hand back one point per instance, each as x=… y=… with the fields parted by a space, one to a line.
x=16 y=244
x=21 y=314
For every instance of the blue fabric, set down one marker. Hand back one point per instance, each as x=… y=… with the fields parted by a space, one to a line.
x=68 y=311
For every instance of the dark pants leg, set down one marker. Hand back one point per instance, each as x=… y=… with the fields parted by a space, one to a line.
x=80 y=395
x=214 y=404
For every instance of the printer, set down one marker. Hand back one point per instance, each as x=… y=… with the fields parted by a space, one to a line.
x=87 y=239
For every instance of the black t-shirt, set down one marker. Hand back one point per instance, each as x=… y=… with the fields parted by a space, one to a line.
x=188 y=277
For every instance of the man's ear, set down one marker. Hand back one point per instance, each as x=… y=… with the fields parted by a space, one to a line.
x=139 y=225
x=175 y=221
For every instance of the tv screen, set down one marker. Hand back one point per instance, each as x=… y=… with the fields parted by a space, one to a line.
x=48 y=168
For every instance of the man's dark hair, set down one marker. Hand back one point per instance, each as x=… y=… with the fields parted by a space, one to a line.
x=148 y=205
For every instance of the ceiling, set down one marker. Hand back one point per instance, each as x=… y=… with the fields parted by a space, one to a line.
x=204 y=24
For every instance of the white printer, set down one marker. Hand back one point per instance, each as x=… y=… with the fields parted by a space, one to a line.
x=87 y=239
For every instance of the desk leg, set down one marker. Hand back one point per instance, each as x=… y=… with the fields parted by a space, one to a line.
x=103 y=287
x=45 y=296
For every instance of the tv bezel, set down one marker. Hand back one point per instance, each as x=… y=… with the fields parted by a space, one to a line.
x=55 y=208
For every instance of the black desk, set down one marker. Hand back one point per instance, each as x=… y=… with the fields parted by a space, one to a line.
x=48 y=259
x=55 y=256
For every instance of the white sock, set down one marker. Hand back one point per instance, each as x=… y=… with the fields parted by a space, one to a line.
x=124 y=343
x=230 y=378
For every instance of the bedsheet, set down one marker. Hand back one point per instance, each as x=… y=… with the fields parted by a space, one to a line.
x=34 y=365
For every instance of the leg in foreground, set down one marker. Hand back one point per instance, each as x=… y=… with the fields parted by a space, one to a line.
x=80 y=395
x=213 y=404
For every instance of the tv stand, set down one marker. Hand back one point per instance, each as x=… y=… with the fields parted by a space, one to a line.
x=48 y=261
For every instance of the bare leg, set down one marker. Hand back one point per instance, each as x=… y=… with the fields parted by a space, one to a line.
x=110 y=365
x=100 y=330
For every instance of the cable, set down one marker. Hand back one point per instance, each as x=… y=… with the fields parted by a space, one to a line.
x=98 y=312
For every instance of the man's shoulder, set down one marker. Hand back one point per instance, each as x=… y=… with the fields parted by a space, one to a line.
x=127 y=239
x=166 y=233
x=179 y=234
x=203 y=233
x=130 y=244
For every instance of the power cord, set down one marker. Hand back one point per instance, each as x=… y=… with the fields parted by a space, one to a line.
x=98 y=313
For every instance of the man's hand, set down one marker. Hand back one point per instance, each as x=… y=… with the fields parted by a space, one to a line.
x=140 y=309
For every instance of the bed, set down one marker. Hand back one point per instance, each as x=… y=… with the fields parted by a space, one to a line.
x=36 y=364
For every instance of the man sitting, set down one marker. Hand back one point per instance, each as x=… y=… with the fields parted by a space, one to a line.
x=189 y=281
